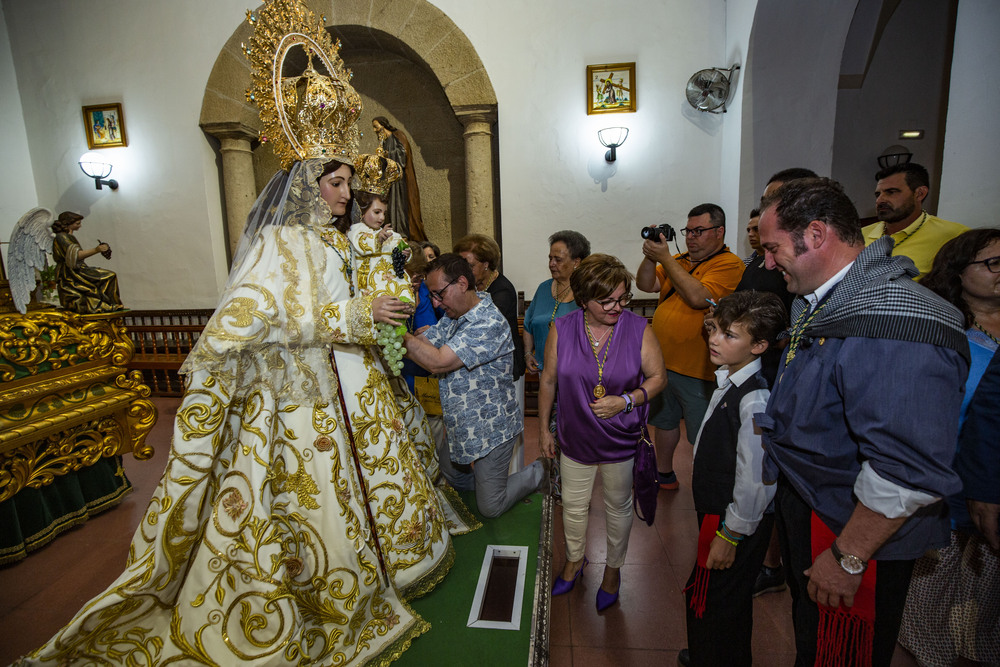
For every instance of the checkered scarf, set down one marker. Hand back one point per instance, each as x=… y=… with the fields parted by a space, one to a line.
x=878 y=299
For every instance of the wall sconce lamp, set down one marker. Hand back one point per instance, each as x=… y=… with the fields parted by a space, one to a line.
x=612 y=138
x=894 y=155
x=98 y=169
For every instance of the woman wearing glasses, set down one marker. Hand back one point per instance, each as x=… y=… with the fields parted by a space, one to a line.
x=607 y=364
x=962 y=581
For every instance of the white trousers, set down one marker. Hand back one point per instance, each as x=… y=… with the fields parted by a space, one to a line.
x=577 y=488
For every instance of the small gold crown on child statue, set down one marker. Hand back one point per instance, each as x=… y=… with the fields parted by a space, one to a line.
x=312 y=115
x=375 y=173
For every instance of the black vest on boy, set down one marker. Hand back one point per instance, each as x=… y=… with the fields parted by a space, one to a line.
x=715 y=463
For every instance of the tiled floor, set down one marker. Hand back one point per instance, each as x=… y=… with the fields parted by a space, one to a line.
x=42 y=592
x=647 y=626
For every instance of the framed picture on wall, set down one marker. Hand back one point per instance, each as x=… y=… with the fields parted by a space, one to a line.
x=611 y=88
x=104 y=125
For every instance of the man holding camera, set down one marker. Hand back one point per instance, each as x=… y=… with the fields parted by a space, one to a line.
x=687 y=284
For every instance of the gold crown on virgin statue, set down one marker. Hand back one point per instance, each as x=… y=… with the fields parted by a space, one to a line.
x=375 y=173
x=309 y=115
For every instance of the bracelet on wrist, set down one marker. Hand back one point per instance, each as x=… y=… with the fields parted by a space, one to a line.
x=730 y=535
x=629 y=403
x=725 y=529
x=719 y=534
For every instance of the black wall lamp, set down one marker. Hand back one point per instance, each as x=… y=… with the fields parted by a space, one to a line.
x=98 y=169
x=894 y=155
x=612 y=138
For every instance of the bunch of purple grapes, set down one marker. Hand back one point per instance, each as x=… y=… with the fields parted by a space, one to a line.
x=399 y=261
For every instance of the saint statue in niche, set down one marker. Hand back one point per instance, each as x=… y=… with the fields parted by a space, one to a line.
x=403 y=206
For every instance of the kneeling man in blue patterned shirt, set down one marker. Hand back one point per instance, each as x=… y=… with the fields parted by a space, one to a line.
x=472 y=349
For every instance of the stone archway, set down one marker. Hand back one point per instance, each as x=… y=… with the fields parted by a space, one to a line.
x=419 y=32
x=790 y=81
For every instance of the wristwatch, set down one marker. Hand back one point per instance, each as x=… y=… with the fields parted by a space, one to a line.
x=850 y=563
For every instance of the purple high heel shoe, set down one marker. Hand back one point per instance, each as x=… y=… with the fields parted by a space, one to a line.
x=562 y=586
x=605 y=599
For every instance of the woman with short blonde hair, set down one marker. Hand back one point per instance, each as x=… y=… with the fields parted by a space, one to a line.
x=606 y=362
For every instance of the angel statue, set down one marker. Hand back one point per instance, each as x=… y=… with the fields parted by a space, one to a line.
x=82 y=289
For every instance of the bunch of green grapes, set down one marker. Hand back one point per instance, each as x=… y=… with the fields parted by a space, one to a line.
x=390 y=338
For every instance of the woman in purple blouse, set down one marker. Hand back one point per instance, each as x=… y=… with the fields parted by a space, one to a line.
x=607 y=364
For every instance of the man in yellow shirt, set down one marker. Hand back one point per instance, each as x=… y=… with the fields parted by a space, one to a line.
x=899 y=198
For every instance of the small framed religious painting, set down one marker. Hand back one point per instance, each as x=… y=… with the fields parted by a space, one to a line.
x=611 y=88
x=105 y=126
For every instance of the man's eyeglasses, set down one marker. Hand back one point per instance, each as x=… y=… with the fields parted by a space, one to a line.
x=697 y=231
x=439 y=296
x=623 y=301
x=992 y=264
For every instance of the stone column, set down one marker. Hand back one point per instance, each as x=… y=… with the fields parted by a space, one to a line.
x=478 y=168
x=240 y=190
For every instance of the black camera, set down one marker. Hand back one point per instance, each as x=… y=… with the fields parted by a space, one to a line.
x=653 y=232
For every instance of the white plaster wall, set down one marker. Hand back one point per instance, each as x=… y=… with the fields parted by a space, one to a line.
x=969 y=192
x=17 y=187
x=165 y=221
x=795 y=55
x=902 y=90
x=739 y=23
x=552 y=169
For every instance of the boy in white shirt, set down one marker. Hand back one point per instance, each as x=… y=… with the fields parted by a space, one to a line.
x=729 y=494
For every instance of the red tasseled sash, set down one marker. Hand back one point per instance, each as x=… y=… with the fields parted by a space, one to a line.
x=844 y=631
x=709 y=525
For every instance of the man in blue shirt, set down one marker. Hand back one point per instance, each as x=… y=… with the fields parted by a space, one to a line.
x=472 y=349
x=861 y=422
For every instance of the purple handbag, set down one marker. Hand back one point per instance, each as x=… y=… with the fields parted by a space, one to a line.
x=644 y=479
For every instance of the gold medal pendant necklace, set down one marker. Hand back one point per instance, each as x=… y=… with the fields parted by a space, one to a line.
x=559 y=302
x=906 y=238
x=799 y=329
x=979 y=326
x=347 y=267
x=599 y=390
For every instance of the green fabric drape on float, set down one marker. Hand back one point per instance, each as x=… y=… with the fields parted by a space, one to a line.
x=34 y=517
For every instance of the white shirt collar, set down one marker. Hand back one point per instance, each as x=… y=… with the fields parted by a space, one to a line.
x=723 y=378
x=825 y=288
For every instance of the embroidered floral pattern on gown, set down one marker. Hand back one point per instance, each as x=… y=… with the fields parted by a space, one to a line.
x=375 y=276
x=258 y=546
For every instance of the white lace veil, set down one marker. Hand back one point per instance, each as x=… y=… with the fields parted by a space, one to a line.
x=278 y=206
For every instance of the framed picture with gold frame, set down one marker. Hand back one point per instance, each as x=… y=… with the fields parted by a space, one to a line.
x=611 y=88
x=104 y=125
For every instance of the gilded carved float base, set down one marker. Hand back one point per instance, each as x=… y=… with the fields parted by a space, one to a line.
x=66 y=397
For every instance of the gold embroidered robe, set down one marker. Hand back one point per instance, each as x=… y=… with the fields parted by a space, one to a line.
x=257 y=546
